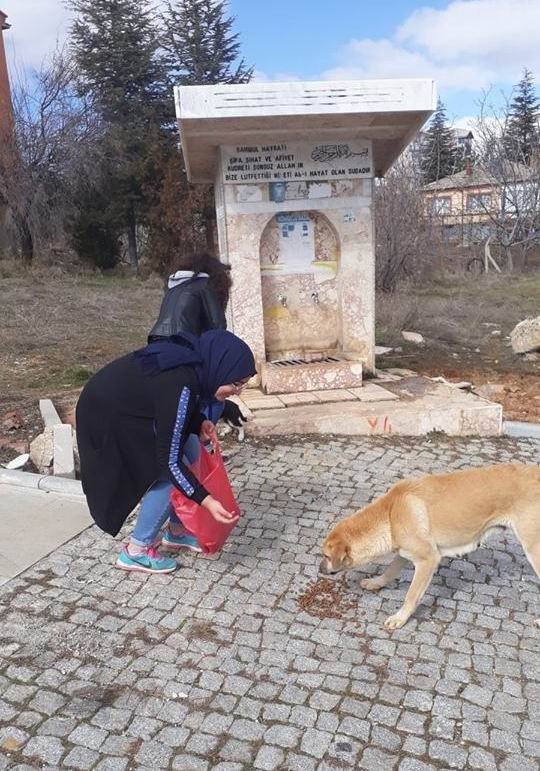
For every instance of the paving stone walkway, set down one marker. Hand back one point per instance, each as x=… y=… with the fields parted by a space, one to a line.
x=219 y=667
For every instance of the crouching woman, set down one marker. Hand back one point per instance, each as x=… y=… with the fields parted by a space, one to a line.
x=133 y=418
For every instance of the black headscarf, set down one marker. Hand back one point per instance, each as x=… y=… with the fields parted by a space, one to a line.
x=219 y=358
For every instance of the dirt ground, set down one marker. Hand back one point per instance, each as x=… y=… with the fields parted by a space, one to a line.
x=466 y=325
x=57 y=329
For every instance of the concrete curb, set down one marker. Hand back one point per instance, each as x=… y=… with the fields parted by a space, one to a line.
x=519 y=429
x=64 y=461
x=48 y=484
x=49 y=414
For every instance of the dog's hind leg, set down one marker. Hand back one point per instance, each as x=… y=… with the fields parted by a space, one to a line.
x=390 y=574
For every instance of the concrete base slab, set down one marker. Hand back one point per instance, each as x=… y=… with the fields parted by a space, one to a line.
x=373 y=393
x=33 y=523
x=411 y=406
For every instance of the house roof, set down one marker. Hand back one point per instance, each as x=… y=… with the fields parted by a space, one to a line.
x=3 y=22
x=479 y=177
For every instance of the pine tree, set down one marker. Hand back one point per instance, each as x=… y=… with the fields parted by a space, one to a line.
x=200 y=46
x=522 y=134
x=116 y=46
x=200 y=49
x=439 y=156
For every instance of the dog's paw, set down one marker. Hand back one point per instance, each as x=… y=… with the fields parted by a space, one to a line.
x=371 y=584
x=396 y=621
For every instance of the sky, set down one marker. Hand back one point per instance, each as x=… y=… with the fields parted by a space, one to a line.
x=467 y=46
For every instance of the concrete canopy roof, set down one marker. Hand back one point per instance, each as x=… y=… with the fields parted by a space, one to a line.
x=389 y=112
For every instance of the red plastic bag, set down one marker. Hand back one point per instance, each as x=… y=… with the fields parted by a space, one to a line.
x=211 y=473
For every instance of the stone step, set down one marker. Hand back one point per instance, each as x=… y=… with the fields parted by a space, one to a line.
x=408 y=407
x=295 y=376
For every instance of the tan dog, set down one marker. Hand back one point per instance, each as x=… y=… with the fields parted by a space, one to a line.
x=443 y=515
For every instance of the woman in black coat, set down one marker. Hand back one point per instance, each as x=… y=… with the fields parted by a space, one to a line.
x=196 y=298
x=195 y=302
x=133 y=418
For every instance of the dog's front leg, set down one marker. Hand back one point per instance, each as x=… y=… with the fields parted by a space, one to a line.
x=424 y=569
x=390 y=574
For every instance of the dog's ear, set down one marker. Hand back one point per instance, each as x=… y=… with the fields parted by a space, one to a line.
x=346 y=559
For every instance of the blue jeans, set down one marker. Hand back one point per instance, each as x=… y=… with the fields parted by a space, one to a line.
x=156 y=508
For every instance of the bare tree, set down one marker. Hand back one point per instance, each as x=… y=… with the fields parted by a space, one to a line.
x=512 y=211
x=48 y=149
x=401 y=227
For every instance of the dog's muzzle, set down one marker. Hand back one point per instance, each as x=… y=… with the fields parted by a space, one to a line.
x=326 y=568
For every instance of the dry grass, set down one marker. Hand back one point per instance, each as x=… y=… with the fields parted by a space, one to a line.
x=458 y=312
x=56 y=330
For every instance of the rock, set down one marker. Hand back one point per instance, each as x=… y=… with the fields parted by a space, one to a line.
x=413 y=337
x=532 y=357
x=42 y=451
x=19 y=462
x=380 y=350
x=496 y=333
x=11 y=421
x=525 y=336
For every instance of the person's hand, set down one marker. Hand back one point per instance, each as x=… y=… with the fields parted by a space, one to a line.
x=208 y=433
x=219 y=513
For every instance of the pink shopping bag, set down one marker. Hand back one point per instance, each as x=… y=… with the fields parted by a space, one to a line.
x=210 y=471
